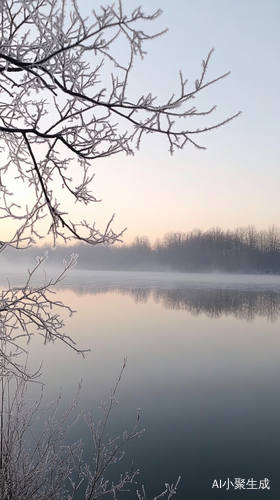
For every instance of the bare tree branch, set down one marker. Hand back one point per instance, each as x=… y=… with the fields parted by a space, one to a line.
x=45 y=50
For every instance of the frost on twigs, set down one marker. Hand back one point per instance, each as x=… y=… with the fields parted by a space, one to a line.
x=166 y=494
x=34 y=465
x=59 y=113
x=29 y=309
x=37 y=464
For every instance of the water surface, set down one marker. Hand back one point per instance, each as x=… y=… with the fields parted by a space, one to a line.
x=203 y=366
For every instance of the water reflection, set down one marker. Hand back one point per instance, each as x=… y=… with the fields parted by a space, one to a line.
x=214 y=303
x=244 y=297
x=246 y=305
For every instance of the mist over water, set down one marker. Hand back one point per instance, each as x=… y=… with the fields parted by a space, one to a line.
x=243 y=250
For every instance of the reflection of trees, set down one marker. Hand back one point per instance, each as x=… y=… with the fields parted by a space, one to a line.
x=242 y=304
x=139 y=295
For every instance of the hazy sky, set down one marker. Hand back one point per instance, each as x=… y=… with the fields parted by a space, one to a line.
x=235 y=182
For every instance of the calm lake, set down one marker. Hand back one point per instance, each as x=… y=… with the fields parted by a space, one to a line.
x=203 y=367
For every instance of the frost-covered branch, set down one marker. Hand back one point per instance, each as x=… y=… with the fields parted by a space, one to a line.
x=37 y=464
x=59 y=111
x=29 y=309
x=32 y=465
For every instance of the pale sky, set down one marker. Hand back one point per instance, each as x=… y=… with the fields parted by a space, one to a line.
x=236 y=181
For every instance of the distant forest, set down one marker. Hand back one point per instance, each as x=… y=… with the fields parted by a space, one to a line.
x=240 y=250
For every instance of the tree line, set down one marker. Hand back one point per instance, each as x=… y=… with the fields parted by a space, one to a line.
x=244 y=249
